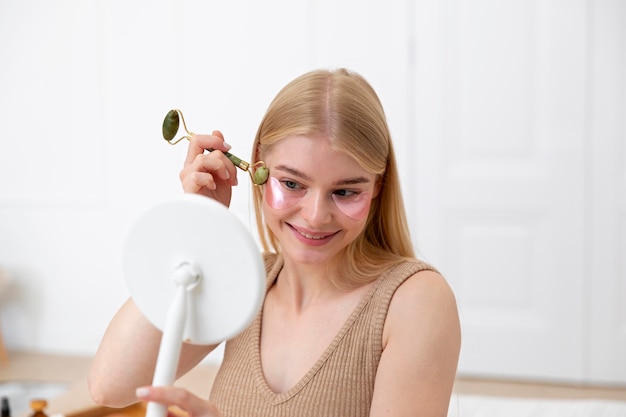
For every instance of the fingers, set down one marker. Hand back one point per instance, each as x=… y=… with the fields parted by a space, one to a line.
x=206 y=172
x=199 y=143
x=179 y=397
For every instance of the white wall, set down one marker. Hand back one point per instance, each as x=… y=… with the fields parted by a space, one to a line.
x=84 y=86
x=84 y=89
x=521 y=185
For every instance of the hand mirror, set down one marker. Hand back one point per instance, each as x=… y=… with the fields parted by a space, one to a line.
x=195 y=272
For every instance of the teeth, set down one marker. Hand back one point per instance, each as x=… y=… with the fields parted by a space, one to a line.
x=311 y=237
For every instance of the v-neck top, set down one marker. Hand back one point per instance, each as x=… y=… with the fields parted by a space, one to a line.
x=340 y=383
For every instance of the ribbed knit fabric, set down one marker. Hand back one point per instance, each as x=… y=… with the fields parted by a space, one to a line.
x=341 y=382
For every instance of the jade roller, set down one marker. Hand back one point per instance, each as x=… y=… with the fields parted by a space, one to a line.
x=171 y=124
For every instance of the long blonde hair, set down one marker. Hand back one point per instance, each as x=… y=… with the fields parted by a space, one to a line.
x=342 y=106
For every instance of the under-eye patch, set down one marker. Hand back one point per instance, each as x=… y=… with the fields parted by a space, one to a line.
x=286 y=194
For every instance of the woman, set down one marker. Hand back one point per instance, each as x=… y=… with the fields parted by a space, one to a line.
x=352 y=323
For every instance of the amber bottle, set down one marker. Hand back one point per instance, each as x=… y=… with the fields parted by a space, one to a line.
x=37 y=407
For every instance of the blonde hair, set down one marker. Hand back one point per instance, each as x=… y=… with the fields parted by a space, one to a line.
x=342 y=106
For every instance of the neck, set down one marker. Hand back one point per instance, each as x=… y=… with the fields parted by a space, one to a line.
x=305 y=285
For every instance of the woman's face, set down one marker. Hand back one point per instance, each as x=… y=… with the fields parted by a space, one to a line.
x=316 y=200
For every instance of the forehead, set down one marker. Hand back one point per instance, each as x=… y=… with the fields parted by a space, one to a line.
x=314 y=157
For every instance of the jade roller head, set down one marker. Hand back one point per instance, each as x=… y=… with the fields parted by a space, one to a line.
x=171 y=124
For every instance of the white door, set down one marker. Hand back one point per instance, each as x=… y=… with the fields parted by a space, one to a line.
x=499 y=122
x=607 y=219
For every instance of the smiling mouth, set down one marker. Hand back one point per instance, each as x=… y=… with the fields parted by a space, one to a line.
x=316 y=236
x=308 y=236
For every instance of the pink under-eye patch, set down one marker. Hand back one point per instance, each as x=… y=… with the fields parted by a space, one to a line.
x=356 y=207
x=279 y=197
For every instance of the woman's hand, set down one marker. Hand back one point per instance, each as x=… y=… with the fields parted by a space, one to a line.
x=210 y=174
x=179 y=397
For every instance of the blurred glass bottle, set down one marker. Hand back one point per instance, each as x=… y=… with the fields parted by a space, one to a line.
x=6 y=410
x=38 y=407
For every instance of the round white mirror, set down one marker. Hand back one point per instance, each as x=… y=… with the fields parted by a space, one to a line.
x=191 y=229
x=195 y=271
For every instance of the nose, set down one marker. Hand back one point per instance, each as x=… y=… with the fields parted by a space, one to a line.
x=317 y=208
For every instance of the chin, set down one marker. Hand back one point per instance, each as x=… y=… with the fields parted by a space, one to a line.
x=305 y=257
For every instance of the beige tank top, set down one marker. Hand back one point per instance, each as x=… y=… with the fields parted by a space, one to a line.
x=341 y=382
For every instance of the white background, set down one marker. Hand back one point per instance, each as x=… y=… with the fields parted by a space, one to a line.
x=508 y=119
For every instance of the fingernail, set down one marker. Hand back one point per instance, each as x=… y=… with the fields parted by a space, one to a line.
x=227 y=146
x=142 y=392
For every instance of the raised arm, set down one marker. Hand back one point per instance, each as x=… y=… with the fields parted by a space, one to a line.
x=127 y=356
x=128 y=352
x=421 y=344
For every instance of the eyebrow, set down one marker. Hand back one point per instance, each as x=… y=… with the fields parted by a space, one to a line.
x=347 y=181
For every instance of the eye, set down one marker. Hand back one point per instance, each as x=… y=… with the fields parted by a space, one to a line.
x=291 y=185
x=346 y=193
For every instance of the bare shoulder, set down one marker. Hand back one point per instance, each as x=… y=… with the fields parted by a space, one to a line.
x=423 y=303
x=424 y=283
x=421 y=345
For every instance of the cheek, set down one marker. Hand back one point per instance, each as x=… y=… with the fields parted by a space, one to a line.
x=271 y=218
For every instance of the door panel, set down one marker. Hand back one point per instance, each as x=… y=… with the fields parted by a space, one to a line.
x=607 y=206
x=500 y=127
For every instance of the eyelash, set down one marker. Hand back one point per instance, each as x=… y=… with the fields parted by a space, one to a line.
x=341 y=193
x=348 y=193
x=291 y=185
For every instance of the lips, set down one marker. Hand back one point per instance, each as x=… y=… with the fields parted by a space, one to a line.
x=309 y=235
